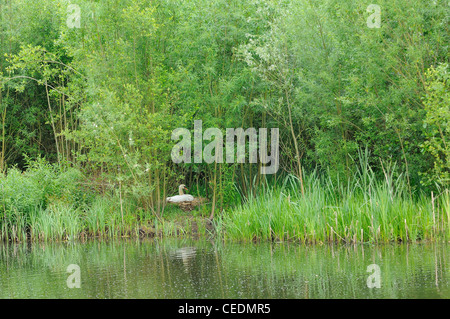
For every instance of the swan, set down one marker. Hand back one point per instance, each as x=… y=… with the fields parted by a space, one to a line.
x=185 y=201
x=182 y=197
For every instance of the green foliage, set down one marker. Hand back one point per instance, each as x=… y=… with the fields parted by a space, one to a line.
x=20 y=194
x=105 y=97
x=25 y=193
x=436 y=124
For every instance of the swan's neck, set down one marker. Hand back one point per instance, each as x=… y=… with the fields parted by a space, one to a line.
x=180 y=190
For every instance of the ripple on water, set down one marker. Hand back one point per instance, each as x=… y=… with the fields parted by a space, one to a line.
x=203 y=269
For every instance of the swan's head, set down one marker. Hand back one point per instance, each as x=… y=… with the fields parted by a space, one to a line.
x=181 y=188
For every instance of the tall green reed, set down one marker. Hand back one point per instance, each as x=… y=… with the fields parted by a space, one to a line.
x=362 y=209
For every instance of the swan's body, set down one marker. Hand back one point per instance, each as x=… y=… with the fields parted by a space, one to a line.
x=180 y=198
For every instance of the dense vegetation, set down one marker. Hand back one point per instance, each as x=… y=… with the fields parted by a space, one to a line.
x=87 y=112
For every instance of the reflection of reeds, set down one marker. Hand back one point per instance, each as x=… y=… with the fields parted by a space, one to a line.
x=363 y=210
x=339 y=271
x=169 y=268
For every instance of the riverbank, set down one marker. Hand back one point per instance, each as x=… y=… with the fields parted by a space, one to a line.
x=48 y=203
x=271 y=110
x=354 y=217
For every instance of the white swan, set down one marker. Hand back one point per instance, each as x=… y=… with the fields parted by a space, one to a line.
x=180 y=198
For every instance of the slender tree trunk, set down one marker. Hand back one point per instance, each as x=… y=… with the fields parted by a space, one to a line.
x=214 y=191
x=294 y=138
x=52 y=123
x=2 y=159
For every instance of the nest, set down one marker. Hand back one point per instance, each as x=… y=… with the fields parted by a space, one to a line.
x=189 y=206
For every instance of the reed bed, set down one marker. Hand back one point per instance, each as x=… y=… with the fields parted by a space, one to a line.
x=44 y=204
x=364 y=209
x=62 y=221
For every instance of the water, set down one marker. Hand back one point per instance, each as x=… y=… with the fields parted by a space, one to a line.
x=204 y=269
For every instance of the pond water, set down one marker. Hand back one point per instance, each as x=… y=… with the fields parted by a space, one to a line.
x=203 y=269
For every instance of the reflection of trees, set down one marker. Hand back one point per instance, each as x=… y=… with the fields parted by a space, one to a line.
x=198 y=269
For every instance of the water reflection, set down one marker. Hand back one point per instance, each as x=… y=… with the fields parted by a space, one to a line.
x=203 y=269
x=185 y=254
